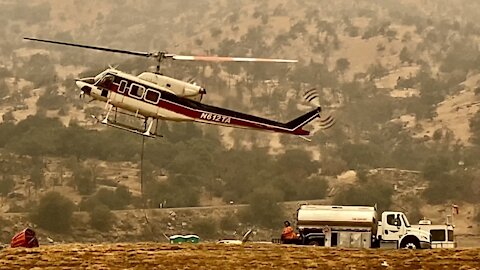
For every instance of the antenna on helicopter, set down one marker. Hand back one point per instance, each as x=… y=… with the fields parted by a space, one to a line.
x=160 y=55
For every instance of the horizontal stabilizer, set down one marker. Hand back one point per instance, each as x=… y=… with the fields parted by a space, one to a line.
x=301 y=121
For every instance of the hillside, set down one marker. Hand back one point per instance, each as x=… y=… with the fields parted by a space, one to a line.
x=400 y=77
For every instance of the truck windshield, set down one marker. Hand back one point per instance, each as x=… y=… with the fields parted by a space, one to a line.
x=405 y=221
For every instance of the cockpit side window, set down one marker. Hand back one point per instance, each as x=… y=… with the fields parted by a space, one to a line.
x=99 y=77
x=106 y=81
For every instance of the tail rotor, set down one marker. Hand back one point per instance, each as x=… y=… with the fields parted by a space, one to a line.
x=312 y=97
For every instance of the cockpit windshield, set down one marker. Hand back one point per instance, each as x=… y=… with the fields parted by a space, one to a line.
x=104 y=80
x=100 y=76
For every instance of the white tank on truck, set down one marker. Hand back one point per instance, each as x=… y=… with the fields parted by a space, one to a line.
x=357 y=226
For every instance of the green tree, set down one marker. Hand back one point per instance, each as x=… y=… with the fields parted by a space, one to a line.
x=313 y=188
x=362 y=155
x=405 y=56
x=177 y=191
x=377 y=71
x=53 y=213
x=342 y=65
x=458 y=185
x=101 y=218
x=107 y=197
x=83 y=180
x=123 y=195
x=263 y=208
x=115 y=199
x=36 y=176
x=437 y=166
x=205 y=228
x=475 y=128
x=229 y=222
x=368 y=194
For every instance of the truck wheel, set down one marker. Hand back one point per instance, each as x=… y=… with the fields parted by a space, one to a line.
x=410 y=245
x=313 y=243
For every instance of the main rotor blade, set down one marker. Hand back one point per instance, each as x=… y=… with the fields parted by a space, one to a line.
x=227 y=59
x=146 y=54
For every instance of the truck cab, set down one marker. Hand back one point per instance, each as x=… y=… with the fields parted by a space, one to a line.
x=395 y=231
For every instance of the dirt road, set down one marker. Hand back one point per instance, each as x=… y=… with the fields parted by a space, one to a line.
x=216 y=256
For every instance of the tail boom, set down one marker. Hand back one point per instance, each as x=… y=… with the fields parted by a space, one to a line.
x=208 y=114
x=294 y=127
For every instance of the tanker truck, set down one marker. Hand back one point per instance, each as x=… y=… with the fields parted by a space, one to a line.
x=357 y=227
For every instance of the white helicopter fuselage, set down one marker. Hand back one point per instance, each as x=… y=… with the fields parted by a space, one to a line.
x=150 y=85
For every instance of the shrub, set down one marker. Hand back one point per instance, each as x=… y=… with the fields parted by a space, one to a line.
x=53 y=213
x=461 y=186
x=415 y=215
x=107 y=197
x=369 y=194
x=205 y=228
x=101 y=218
x=229 y=222
x=313 y=188
x=114 y=200
x=263 y=208
x=123 y=196
x=83 y=180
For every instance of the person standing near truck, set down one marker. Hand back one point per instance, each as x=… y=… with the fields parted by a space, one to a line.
x=288 y=235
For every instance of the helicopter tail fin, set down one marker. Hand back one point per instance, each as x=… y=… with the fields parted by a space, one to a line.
x=298 y=123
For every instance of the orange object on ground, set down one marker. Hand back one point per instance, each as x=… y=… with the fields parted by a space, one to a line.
x=25 y=238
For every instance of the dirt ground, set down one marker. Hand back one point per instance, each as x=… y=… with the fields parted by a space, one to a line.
x=217 y=256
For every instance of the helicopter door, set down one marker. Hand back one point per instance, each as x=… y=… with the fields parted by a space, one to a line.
x=119 y=95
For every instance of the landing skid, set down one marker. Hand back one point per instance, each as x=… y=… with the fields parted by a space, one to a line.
x=125 y=127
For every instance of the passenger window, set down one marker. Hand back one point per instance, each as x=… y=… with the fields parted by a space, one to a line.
x=136 y=90
x=152 y=96
x=450 y=235
x=123 y=85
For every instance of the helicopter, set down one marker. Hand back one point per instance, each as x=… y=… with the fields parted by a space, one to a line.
x=151 y=97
